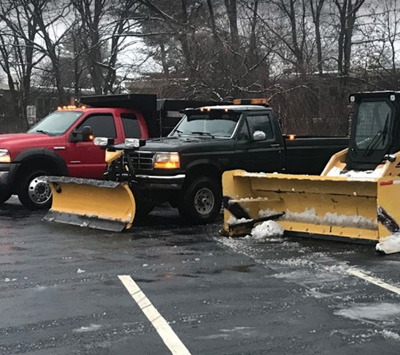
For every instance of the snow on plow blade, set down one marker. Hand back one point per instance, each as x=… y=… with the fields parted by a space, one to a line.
x=364 y=210
x=99 y=204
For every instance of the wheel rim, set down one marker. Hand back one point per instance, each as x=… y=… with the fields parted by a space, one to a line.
x=39 y=191
x=204 y=201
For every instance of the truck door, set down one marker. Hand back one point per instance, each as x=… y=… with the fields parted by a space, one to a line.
x=265 y=155
x=86 y=159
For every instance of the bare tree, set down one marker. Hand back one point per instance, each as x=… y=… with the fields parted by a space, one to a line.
x=105 y=25
x=348 y=11
x=316 y=7
x=380 y=43
x=48 y=15
x=231 y=10
x=18 y=51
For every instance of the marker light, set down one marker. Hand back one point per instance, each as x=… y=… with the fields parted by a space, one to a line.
x=167 y=160
x=69 y=108
x=291 y=137
x=263 y=101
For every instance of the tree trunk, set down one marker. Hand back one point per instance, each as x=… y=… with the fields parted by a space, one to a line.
x=231 y=9
x=316 y=14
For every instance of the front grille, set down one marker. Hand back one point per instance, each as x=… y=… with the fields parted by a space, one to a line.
x=142 y=160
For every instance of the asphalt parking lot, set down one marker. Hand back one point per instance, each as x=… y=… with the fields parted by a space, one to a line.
x=168 y=288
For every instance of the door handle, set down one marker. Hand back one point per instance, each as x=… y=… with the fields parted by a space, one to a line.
x=274 y=145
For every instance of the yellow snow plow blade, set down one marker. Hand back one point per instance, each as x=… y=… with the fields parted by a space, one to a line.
x=359 y=209
x=90 y=203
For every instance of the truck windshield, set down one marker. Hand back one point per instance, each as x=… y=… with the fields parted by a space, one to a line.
x=210 y=124
x=56 y=123
x=373 y=125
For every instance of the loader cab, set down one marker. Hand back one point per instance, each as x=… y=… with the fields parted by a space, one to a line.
x=374 y=130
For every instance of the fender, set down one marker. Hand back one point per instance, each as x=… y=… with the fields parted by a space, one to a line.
x=205 y=166
x=38 y=153
x=219 y=166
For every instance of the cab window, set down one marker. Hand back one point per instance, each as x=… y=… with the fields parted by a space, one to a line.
x=260 y=123
x=243 y=134
x=373 y=121
x=102 y=125
x=131 y=125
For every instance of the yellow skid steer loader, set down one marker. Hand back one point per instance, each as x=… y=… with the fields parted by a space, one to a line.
x=356 y=198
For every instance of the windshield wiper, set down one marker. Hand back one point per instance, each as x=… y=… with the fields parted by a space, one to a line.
x=379 y=137
x=42 y=131
x=208 y=134
x=373 y=144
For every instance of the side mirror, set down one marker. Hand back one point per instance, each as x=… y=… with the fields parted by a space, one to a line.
x=259 y=136
x=85 y=136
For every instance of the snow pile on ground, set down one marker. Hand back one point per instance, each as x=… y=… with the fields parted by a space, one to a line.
x=265 y=230
x=390 y=244
x=388 y=334
x=90 y=328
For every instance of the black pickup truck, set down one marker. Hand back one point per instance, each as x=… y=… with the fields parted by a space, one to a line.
x=185 y=168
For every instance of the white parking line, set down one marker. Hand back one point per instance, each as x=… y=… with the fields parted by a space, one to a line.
x=166 y=333
x=374 y=280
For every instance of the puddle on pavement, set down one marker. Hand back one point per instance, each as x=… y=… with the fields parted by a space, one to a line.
x=237 y=268
x=240 y=268
x=371 y=312
x=170 y=275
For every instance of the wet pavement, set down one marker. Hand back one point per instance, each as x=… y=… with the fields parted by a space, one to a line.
x=60 y=291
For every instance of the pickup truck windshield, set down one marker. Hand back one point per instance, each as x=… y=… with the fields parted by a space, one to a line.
x=210 y=124
x=56 y=123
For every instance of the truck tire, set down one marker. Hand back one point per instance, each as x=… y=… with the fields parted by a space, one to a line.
x=4 y=196
x=34 y=194
x=201 y=201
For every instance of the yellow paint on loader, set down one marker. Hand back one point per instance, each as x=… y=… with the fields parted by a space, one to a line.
x=94 y=203
x=324 y=206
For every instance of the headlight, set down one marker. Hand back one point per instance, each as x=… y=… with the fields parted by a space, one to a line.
x=132 y=142
x=5 y=156
x=101 y=141
x=167 y=160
